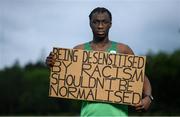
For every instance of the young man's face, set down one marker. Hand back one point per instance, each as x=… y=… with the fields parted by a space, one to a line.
x=100 y=24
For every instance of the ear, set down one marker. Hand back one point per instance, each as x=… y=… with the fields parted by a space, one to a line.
x=110 y=24
x=90 y=23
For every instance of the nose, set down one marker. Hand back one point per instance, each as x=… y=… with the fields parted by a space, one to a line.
x=100 y=25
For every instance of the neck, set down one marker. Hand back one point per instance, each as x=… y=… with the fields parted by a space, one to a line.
x=100 y=44
x=100 y=40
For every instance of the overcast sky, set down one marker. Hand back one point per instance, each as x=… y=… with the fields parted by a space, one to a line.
x=30 y=29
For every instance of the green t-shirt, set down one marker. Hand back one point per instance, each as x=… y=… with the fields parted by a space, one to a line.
x=100 y=108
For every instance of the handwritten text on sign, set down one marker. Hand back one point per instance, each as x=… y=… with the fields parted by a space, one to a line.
x=97 y=76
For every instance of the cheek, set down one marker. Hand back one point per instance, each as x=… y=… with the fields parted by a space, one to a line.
x=94 y=28
x=107 y=28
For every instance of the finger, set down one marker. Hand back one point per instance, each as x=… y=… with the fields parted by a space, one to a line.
x=139 y=108
x=51 y=53
x=139 y=104
x=50 y=56
x=50 y=61
x=50 y=64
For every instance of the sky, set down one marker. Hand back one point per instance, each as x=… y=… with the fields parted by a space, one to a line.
x=29 y=29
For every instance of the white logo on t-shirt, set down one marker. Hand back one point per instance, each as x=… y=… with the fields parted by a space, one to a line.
x=113 y=52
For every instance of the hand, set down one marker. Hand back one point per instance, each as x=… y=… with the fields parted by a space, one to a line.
x=143 y=105
x=50 y=60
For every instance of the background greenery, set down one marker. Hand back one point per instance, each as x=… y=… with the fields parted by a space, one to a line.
x=24 y=90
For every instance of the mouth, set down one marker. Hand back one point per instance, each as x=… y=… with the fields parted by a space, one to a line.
x=100 y=32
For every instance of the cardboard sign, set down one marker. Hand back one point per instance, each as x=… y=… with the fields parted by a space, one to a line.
x=97 y=76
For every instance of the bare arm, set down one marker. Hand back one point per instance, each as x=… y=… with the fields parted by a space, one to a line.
x=81 y=46
x=146 y=101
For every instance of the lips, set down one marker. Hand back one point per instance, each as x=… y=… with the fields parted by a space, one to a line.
x=100 y=32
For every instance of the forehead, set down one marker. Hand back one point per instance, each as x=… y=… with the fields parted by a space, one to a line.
x=100 y=16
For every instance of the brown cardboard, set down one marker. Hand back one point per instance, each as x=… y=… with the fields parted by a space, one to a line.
x=97 y=76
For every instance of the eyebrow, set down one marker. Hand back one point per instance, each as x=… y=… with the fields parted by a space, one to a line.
x=103 y=20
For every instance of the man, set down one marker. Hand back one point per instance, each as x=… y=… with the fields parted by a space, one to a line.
x=100 y=23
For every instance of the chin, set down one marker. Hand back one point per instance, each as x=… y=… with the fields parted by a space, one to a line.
x=100 y=38
x=100 y=35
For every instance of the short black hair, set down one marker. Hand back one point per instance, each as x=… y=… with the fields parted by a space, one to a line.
x=100 y=10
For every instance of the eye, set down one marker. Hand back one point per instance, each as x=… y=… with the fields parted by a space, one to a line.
x=95 y=22
x=106 y=21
